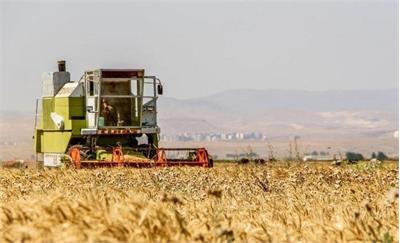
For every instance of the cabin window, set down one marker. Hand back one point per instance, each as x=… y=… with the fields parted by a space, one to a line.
x=91 y=88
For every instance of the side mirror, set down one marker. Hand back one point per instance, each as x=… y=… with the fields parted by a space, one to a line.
x=160 y=89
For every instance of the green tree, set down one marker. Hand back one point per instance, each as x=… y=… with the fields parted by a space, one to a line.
x=351 y=156
x=381 y=156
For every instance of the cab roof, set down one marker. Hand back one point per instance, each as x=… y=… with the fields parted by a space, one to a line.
x=122 y=73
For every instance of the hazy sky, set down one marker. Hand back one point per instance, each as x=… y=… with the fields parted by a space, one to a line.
x=200 y=48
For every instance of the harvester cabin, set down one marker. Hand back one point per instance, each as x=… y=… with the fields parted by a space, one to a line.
x=115 y=98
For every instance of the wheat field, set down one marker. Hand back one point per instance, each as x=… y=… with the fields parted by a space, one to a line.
x=227 y=203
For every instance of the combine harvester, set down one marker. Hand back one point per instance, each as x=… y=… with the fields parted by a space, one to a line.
x=108 y=118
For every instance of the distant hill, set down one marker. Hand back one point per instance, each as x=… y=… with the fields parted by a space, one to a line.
x=310 y=111
x=247 y=101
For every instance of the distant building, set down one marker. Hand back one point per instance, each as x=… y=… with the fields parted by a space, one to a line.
x=318 y=158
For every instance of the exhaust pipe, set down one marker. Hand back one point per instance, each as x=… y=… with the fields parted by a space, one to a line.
x=61 y=66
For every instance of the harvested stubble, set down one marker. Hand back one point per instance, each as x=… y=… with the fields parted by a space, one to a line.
x=311 y=203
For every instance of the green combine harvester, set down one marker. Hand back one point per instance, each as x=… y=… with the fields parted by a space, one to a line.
x=107 y=118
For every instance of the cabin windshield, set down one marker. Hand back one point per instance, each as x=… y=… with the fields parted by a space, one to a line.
x=120 y=103
x=127 y=102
